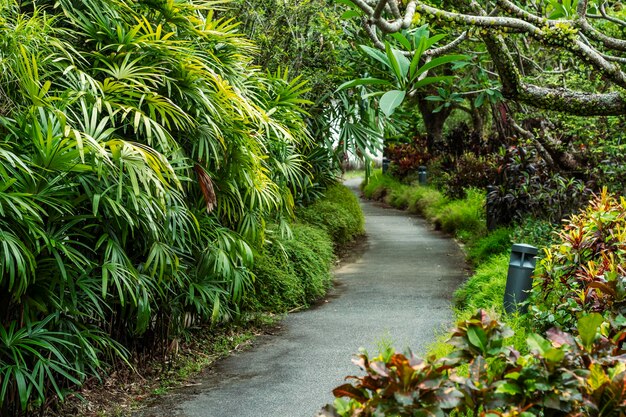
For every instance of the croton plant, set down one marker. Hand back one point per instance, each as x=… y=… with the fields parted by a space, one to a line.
x=576 y=360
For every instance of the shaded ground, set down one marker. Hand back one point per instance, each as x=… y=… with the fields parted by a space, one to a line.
x=398 y=289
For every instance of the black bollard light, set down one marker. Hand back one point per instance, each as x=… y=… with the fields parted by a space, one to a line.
x=519 y=278
x=385 y=164
x=421 y=174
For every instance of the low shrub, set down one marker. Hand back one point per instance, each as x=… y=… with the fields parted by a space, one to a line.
x=526 y=188
x=405 y=158
x=292 y=272
x=428 y=202
x=470 y=171
x=464 y=217
x=310 y=253
x=295 y=271
x=398 y=196
x=495 y=242
x=539 y=233
x=338 y=213
x=378 y=185
x=277 y=288
x=485 y=288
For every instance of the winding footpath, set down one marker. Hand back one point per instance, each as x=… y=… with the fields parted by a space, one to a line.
x=397 y=290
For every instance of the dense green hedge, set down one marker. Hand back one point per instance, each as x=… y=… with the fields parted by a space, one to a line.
x=339 y=214
x=295 y=271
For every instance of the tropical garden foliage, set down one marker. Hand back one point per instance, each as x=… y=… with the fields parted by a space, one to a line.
x=154 y=156
x=565 y=357
x=501 y=171
x=144 y=161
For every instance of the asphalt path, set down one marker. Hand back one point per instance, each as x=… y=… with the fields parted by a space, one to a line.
x=397 y=290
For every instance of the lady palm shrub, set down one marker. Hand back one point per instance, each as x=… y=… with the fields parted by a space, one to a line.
x=140 y=159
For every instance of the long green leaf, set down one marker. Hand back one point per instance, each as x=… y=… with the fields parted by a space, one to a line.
x=363 y=81
x=402 y=40
x=431 y=80
x=436 y=62
x=377 y=55
x=393 y=61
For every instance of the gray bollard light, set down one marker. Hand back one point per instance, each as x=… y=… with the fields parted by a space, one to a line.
x=519 y=278
x=421 y=174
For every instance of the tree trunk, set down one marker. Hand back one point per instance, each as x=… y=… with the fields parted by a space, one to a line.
x=433 y=122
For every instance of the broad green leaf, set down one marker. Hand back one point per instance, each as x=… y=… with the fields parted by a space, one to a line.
x=404 y=63
x=597 y=377
x=480 y=99
x=554 y=355
x=414 y=64
x=510 y=388
x=436 y=62
x=373 y=94
x=390 y=100
x=538 y=344
x=419 y=35
x=431 y=80
x=434 y=39
x=393 y=61
x=377 y=55
x=477 y=337
x=588 y=327
x=459 y=65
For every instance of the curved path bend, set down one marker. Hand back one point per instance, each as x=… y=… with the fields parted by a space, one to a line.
x=398 y=289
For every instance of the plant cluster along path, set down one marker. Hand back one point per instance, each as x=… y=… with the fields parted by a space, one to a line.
x=397 y=290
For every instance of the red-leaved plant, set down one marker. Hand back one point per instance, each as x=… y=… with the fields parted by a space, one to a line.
x=564 y=374
x=586 y=271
